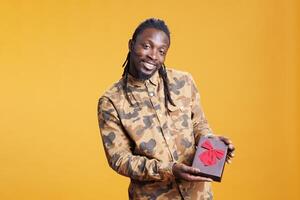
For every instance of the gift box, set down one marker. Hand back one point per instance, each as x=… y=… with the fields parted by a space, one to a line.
x=210 y=157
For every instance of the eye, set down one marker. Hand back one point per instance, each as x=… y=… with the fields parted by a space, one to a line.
x=146 y=46
x=162 y=52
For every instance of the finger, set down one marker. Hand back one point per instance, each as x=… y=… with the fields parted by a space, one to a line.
x=190 y=177
x=231 y=147
x=228 y=159
x=210 y=135
x=225 y=140
x=191 y=170
x=230 y=154
x=228 y=142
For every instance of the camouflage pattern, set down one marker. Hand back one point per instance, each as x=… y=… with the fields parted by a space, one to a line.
x=142 y=141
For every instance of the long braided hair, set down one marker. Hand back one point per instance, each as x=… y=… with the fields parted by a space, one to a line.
x=160 y=25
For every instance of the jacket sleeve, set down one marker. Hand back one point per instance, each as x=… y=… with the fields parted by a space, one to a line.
x=200 y=124
x=118 y=147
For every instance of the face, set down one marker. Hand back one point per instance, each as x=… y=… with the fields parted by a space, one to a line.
x=148 y=53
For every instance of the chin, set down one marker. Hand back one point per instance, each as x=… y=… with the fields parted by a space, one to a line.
x=145 y=76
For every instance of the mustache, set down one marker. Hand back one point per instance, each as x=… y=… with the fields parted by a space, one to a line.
x=134 y=53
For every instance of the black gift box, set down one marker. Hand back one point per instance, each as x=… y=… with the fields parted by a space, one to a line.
x=210 y=157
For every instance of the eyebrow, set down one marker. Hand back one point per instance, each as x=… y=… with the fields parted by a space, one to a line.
x=165 y=45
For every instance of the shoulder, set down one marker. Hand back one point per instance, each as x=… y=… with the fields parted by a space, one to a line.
x=113 y=93
x=175 y=75
x=176 y=72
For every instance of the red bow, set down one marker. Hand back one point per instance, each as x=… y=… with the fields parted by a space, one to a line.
x=210 y=156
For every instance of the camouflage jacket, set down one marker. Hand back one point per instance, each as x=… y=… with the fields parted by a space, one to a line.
x=142 y=140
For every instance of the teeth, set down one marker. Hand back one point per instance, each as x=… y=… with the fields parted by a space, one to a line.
x=149 y=66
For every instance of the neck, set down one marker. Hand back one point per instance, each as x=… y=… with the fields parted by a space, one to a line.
x=132 y=71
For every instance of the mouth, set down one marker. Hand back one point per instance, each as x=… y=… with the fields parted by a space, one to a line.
x=149 y=66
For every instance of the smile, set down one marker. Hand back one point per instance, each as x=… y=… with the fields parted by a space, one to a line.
x=149 y=66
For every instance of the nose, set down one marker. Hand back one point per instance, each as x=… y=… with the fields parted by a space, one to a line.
x=153 y=54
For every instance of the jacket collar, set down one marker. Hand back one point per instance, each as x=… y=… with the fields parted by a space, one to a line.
x=138 y=83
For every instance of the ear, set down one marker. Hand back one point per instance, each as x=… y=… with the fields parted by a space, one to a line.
x=130 y=43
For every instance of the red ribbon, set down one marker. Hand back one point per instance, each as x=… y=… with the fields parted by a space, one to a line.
x=210 y=156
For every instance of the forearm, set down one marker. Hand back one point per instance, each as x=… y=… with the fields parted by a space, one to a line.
x=139 y=167
x=118 y=148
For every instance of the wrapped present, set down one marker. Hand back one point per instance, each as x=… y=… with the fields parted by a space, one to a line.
x=210 y=157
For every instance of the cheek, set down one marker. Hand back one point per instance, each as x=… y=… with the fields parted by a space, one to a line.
x=137 y=56
x=162 y=59
x=139 y=52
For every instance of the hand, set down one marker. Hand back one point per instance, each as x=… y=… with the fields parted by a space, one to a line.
x=230 y=153
x=188 y=173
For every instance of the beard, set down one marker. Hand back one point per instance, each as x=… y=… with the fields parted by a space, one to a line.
x=139 y=74
x=142 y=76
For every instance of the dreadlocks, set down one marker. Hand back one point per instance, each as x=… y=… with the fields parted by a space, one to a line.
x=160 y=25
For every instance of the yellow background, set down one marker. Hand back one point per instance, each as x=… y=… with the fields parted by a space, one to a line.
x=58 y=57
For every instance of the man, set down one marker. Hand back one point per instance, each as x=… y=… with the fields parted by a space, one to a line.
x=151 y=121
